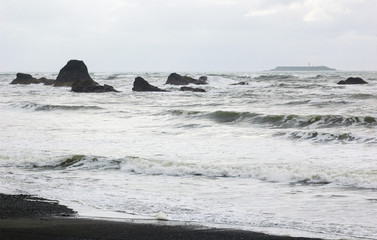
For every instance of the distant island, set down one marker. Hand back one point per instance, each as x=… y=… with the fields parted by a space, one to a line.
x=300 y=68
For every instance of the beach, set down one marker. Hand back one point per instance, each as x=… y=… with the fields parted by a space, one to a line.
x=27 y=217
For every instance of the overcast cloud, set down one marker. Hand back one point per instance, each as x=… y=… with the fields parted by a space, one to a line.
x=187 y=35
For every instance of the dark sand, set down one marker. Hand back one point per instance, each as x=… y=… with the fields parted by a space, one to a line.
x=26 y=217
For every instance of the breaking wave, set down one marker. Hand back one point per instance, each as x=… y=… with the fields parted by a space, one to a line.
x=320 y=137
x=47 y=107
x=275 y=77
x=280 y=121
x=280 y=173
x=363 y=96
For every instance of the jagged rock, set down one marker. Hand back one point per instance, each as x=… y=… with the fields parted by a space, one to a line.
x=142 y=85
x=192 y=89
x=75 y=74
x=176 y=79
x=353 y=80
x=240 y=83
x=23 y=78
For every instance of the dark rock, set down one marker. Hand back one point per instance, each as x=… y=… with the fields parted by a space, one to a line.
x=85 y=85
x=203 y=78
x=176 y=79
x=192 y=89
x=240 y=83
x=75 y=74
x=353 y=80
x=91 y=86
x=142 y=85
x=46 y=81
x=73 y=71
x=23 y=78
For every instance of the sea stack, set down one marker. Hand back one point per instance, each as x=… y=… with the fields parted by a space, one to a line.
x=141 y=85
x=176 y=79
x=75 y=74
x=73 y=71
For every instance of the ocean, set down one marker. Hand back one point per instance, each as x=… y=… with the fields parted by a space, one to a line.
x=291 y=153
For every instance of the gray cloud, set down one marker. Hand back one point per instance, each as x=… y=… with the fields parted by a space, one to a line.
x=183 y=35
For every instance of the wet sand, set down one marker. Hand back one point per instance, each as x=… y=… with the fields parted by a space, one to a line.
x=26 y=217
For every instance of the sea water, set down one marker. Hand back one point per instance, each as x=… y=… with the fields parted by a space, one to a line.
x=290 y=153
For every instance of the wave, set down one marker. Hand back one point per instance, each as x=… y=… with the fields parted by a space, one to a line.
x=279 y=173
x=275 y=77
x=363 y=96
x=317 y=77
x=229 y=116
x=320 y=137
x=47 y=107
x=116 y=76
x=321 y=103
x=298 y=102
x=81 y=162
x=298 y=86
x=280 y=121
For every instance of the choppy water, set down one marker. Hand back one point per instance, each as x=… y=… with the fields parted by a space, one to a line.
x=290 y=153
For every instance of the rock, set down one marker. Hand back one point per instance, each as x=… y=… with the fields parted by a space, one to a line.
x=46 y=81
x=240 y=83
x=176 y=79
x=91 y=86
x=73 y=71
x=75 y=74
x=353 y=80
x=23 y=78
x=86 y=85
x=141 y=85
x=203 y=79
x=192 y=89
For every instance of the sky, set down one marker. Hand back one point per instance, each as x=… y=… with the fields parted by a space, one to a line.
x=187 y=35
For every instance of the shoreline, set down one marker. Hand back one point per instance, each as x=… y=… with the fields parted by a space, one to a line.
x=29 y=217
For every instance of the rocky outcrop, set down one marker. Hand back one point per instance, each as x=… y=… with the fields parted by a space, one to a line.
x=23 y=78
x=192 y=89
x=46 y=81
x=176 y=79
x=141 y=85
x=75 y=74
x=74 y=70
x=91 y=86
x=353 y=80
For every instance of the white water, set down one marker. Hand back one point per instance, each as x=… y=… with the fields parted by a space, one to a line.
x=285 y=154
